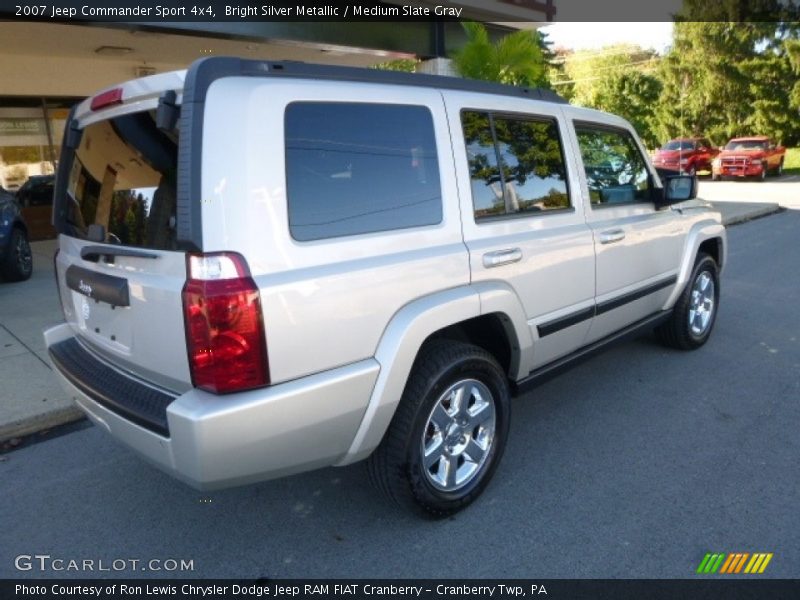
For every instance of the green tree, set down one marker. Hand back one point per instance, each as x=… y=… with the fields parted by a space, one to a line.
x=406 y=65
x=515 y=59
x=793 y=53
x=618 y=79
x=723 y=79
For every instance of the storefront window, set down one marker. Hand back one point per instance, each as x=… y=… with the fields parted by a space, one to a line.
x=31 y=130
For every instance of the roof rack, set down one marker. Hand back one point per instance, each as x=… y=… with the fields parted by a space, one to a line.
x=216 y=67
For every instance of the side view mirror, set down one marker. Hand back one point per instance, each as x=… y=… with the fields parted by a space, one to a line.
x=677 y=188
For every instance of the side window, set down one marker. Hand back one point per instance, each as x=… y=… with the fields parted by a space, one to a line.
x=516 y=164
x=616 y=173
x=355 y=168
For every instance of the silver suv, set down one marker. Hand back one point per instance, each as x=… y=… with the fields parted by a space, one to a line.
x=267 y=268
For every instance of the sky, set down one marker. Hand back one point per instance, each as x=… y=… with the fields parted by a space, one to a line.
x=585 y=36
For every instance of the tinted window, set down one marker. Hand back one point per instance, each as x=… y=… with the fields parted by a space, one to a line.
x=532 y=178
x=746 y=145
x=615 y=170
x=360 y=168
x=678 y=145
x=123 y=178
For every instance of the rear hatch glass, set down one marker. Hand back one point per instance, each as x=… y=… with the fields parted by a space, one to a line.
x=120 y=273
x=122 y=178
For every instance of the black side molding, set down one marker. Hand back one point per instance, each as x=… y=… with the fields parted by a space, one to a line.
x=608 y=305
x=557 y=325
x=98 y=286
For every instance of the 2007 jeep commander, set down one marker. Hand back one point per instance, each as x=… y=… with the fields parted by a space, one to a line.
x=267 y=268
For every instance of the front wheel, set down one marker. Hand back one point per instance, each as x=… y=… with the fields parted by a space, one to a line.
x=448 y=433
x=693 y=316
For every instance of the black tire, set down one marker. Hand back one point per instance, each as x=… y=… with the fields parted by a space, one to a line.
x=18 y=262
x=763 y=175
x=397 y=466
x=779 y=169
x=692 y=319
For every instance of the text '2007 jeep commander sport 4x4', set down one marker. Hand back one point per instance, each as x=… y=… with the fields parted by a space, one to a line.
x=267 y=268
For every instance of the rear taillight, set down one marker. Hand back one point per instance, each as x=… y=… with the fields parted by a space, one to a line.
x=224 y=324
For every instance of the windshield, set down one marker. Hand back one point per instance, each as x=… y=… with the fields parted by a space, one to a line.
x=746 y=145
x=678 y=145
x=123 y=178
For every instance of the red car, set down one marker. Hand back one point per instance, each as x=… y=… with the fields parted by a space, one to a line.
x=752 y=156
x=685 y=155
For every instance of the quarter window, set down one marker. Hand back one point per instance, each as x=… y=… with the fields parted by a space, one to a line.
x=354 y=168
x=615 y=170
x=516 y=164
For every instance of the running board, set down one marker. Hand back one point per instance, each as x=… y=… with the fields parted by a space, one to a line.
x=560 y=365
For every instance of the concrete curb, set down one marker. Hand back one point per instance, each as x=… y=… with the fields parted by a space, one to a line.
x=734 y=213
x=40 y=422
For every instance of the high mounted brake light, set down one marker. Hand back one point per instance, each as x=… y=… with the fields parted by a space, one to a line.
x=224 y=324
x=108 y=98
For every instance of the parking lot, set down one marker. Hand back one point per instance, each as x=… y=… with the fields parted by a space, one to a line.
x=634 y=464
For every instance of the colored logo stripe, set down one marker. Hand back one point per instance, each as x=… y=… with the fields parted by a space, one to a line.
x=758 y=563
x=734 y=562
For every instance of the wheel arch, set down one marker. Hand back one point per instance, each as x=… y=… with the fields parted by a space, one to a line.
x=467 y=314
x=708 y=237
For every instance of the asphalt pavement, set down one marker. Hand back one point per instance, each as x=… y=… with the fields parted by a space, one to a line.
x=634 y=464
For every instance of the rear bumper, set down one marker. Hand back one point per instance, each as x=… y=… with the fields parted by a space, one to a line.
x=221 y=441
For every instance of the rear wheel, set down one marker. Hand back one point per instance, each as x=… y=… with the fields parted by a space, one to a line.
x=779 y=169
x=693 y=317
x=18 y=263
x=448 y=433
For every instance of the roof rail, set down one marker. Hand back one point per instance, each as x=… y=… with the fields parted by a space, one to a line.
x=222 y=66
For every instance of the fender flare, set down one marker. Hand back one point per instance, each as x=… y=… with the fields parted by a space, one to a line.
x=404 y=336
x=700 y=232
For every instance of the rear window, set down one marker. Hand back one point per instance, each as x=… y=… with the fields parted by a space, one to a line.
x=354 y=168
x=122 y=178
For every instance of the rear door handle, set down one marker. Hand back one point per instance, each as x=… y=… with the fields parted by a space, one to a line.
x=502 y=257
x=611 y=236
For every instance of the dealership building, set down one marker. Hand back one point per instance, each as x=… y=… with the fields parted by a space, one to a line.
x=47 y=65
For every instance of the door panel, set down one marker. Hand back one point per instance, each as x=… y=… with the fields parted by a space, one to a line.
x=522 y=223
x=637 y=247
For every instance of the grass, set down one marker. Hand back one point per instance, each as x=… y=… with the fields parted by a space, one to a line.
x=791 y=163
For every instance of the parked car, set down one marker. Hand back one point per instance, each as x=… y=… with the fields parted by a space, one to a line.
x=685 y=155
x=35 y=197
x=16 y=260
x=754 y=156
x=304 y=266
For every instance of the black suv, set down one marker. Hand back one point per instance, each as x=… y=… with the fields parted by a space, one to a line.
x=16 y=261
